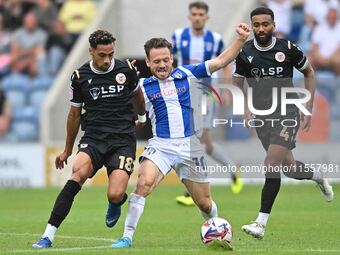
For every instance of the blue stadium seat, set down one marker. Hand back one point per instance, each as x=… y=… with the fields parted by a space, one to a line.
x=24 y=131
x=17 y=98
x=335 y=112
x=327 y=92
x=36 y=97
x=27 y=113
x=326 y=84
x=334 y=131
x=42 y=82
x=17 y=81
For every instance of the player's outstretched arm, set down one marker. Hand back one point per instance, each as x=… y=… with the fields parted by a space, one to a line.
x=309 y=78
x=139 y=107
x=229 y=54
x=73 y=123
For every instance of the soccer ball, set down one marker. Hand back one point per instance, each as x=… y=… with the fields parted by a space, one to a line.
x=216 y=230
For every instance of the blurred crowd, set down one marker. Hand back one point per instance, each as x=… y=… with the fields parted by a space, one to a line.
x=35 y=38
x=37 y=35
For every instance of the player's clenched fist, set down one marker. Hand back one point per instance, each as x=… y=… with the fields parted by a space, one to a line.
x=243 y=30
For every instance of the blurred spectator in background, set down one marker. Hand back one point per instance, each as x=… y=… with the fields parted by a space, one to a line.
x=76 y=15
x=27 y=48
x=58 y=45
x=13 y=11
x=282 y=11
x=5 y=57
x=46 y=13
x=5 y=115
x=315 y=14
x=325 y=47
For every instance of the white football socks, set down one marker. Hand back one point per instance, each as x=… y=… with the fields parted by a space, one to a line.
x=50 y=232
x=262 y=218
x=135 y=210
x=213 y=211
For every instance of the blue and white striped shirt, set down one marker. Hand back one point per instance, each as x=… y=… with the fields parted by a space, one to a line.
x=168 y=101
x=192 y=49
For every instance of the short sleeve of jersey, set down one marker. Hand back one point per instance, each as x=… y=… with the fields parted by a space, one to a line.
x=75 y=95
x=198 y=70
x=299 y=60
x=239 y=66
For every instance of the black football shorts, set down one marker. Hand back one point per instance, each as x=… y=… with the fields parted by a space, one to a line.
x=278 y=129
x=114 y=151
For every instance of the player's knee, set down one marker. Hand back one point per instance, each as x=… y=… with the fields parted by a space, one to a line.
x=115 y=196
x=204 y=204
x=80 y=174
x=144 y=187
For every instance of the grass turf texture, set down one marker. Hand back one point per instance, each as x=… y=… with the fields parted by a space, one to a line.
x=301 y=222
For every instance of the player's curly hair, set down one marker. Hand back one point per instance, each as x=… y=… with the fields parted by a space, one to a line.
x=155 y=43
x=101 y=37
x=262 y=11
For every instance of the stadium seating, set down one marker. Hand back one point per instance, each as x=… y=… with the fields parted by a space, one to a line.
x=25 y=96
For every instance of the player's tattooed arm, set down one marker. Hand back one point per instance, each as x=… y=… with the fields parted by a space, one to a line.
x=73 y=124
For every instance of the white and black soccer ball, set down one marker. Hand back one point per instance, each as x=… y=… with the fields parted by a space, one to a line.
x=216 y=229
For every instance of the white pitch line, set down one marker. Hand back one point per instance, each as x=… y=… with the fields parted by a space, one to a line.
x=56 y=249
x=311 y=250
x=61 y=236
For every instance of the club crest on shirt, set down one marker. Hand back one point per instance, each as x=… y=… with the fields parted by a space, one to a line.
x=121 y=78
x=95 y=93
x=177 y=75
x=185 y=43
x=280 y=56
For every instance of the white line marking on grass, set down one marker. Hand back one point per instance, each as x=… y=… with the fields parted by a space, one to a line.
x=57 y=249
x=64 y=237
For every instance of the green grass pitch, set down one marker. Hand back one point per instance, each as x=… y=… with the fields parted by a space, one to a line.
x=301 y=222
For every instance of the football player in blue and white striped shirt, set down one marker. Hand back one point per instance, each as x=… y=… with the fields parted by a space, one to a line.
x=197 y=44
x=167 y=98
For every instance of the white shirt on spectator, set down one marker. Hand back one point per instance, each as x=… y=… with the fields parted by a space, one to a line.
x=282 y=13
x=327 y=38
x=318 y=9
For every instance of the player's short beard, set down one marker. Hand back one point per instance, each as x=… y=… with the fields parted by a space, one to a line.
x=263 y=41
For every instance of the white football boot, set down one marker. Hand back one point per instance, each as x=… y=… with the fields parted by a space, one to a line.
x=255 y=229
x=326 y=189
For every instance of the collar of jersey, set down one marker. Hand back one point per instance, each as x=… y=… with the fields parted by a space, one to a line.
x=101 y=72
x=269 y=47
x=202 y=35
